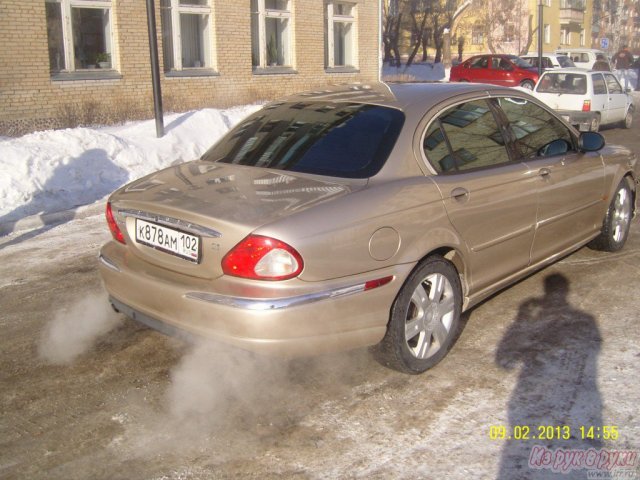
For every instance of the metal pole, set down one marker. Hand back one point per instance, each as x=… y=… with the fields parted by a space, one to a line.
x=540 y=33
x=155 y=67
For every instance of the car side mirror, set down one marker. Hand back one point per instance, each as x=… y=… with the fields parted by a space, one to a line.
x=590 y=142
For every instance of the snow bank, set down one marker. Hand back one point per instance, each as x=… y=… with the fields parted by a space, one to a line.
x=56 y=170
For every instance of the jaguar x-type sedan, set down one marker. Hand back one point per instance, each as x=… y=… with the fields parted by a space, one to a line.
x=357 y=216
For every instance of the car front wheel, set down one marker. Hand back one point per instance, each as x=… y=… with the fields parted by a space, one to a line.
x=425 y=318
x=617 y=221
x=528 y=84
x=628 y=119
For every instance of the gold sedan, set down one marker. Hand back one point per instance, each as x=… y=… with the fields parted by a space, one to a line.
x=363 y=215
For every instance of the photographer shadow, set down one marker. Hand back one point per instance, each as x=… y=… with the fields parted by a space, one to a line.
x=556 y=348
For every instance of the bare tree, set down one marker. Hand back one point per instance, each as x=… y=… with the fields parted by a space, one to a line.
x=392 y=19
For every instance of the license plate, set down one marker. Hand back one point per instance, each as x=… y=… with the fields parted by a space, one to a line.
x=168 y=240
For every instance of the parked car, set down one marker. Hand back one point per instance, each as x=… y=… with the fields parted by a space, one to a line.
x=582 y=57
x=355 y=216
x=549 y=60
x=586 y=99
x=503 y=70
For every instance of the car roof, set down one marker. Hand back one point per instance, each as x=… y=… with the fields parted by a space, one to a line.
x=403 y=96
x=556 y=55
x=572 y=70
x=580 y=50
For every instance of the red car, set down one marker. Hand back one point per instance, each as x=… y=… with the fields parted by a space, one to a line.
x=504 y=70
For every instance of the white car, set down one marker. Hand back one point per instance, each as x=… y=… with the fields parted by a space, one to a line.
x=583 y=57
x=549 y=60
x=586 y=99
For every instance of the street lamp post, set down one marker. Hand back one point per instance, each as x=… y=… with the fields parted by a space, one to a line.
x=540 y=33
x=155 y=68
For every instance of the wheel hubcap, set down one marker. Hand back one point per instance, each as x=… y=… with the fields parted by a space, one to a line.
x=429 y=316
x=621 y=214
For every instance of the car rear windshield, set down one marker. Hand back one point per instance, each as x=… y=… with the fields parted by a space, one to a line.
x=323 y=138
x=519 y=61
x=565 y=62
x=566 y=83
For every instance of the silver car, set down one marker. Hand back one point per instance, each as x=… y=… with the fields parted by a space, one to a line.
x=364 y=215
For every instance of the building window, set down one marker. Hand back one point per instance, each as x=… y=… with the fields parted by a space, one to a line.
x=547 y=33
x=341 y=45
x=79 y=35
x=477 y=34
x=509 y=32
x=186 y=34
x=271 y=26
x=565 y=37
x=582 y=37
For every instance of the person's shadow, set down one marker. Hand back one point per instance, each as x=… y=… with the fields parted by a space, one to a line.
x=80 y=181
x=556 y=348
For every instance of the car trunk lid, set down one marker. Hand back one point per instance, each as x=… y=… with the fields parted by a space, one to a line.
x=214 y=205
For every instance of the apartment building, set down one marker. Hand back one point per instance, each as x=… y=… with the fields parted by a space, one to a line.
x=87 y=61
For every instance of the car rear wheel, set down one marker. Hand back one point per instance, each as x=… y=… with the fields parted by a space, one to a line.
x=617 y=221
x=528 y=84
x=425 y=318
x=594 y=126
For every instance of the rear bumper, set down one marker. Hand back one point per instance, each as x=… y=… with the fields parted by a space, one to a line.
x=309 y=319
x=578 y=118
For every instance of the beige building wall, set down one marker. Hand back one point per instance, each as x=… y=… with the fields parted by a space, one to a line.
x=31 y=98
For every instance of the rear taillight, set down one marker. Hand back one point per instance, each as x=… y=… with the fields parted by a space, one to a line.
x=262 y=258
x=586 y=106
x=113 y=226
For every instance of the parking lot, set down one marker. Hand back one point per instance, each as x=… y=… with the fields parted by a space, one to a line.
x=88 y=394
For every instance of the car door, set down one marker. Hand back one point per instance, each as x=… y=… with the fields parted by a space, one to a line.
x=479 y=69
x=489 y=198
x=617 y=99
x=501 y=72
x=600 y=97
x=570 y=184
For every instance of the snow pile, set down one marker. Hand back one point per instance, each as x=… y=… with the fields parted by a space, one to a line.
x=56 y=170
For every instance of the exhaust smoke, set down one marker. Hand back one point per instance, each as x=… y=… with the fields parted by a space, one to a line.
x=74 y=329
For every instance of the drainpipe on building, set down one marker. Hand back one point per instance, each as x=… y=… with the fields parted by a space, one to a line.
x=155 y=67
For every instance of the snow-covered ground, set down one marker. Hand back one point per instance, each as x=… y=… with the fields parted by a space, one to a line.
x=56 y=170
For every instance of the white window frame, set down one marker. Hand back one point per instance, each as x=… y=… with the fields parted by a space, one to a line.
x=263 y=14
x=547 y=33
x=176 y=37
x=332 y=19
x=66 y=7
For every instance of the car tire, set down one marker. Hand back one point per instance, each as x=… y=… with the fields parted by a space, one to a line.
x=594 y=126
x=528 y=84
x=628 y=119
x=424 y=319
x=615 y=227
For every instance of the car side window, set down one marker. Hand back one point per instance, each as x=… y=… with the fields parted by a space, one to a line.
x=480 y=62
x=599 y=87
x=465 y=137
x=612 y=84
x=535 y=131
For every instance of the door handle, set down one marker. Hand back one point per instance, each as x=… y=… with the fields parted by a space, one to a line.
x=460 y=194
x=544 y=172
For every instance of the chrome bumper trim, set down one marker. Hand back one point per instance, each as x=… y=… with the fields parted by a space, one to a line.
x=108 y=263
x=171 y=222
x=263 y=304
